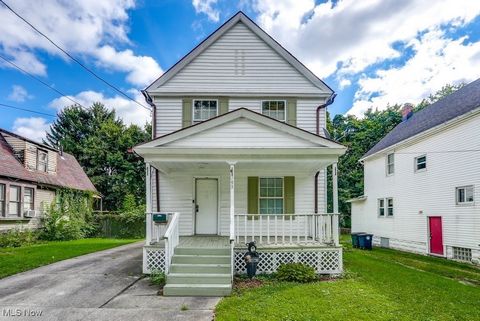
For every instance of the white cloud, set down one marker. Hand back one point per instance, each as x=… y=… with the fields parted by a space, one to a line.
x=206 y=7
x=19 y=94
x=34 y=128
x=438 y=60
x=130 y=112
x=87 y=29
x=348 y=36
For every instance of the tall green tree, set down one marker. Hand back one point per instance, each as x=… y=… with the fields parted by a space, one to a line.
x=361 y=134
x=100 y=141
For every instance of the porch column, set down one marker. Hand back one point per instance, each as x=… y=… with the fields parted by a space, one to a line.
x=148 y=198
x=335 y=218
x=232 y=200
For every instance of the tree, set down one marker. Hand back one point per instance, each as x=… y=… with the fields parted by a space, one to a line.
x=100 y=142
x=360 y=135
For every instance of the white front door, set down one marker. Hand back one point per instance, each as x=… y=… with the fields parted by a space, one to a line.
x=206 y=205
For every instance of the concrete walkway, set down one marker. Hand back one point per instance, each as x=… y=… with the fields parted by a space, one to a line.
x=105 y=285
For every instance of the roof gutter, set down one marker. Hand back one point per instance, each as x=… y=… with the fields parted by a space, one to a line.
x=149 y=101
x=329 y=101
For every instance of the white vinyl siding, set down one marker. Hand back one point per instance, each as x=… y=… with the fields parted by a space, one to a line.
x=169 y=115
x=418 y=196
x=176 y=193
x=239 y=62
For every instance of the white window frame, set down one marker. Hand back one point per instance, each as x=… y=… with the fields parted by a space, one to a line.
x=3 y=200
x=388 y=207
x=41 y=151
x=276 y=100
x=381 y=200
x=415 y=164
x=195 y=121
x=387 y=164
x=271 y=197
x=18 y=202
x=465 y=202
x=32 y=202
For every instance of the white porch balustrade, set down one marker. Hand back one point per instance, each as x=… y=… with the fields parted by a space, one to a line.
x=284 y=229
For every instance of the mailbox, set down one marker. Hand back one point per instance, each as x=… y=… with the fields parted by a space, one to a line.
x=160 y=218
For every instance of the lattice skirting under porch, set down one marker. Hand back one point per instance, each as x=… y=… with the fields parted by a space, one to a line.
x=324 y=261
x=153 y=259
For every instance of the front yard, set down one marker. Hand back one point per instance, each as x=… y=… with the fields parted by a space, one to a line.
x=379 y=285
x=19 y=259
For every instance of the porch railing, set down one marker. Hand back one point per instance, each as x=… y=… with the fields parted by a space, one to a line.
x=172 y=238
x=155 y=232
x=287 y=228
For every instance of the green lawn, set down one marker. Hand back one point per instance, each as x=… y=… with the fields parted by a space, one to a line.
x=19 y=259
x=379 y=285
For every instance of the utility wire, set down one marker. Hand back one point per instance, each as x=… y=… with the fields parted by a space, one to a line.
x=28 y=110
x=42 y=82
x=73 y=58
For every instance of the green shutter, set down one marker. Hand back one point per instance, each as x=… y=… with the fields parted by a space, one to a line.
x=289 y=197
x=223 y=108
x=252 y=192
x=292 y=111
x=187 y=112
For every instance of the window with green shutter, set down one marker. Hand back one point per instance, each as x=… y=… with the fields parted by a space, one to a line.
x=271 y=195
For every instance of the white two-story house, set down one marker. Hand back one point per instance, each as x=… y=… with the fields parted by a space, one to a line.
x=239 y=153
x=422 y=181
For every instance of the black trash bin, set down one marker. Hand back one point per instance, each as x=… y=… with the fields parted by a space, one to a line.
x=365 y=241
x=355 y=239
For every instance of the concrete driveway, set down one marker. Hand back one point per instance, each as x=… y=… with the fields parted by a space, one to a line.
x=106 y=285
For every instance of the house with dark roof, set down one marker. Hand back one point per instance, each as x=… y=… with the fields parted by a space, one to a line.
x=31 y=173
x=422 y=181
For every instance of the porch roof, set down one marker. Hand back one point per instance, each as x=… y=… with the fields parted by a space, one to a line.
x=240 y=135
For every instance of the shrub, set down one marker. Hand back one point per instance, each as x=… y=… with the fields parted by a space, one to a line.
x=157 y=278
x=296 y=272
x=17 y=238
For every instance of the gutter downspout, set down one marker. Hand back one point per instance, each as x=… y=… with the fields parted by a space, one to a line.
x=149 y=101
x=329 y=101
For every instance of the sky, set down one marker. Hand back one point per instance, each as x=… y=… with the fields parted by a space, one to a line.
x=373 y=53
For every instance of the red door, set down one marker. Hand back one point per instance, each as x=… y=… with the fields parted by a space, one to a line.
x=436 y=235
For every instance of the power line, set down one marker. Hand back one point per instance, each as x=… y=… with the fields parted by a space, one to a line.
x=73 y=58
x=28 y=110
x=41 y=81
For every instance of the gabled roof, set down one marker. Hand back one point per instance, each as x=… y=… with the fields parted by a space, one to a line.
x=464 y=100
x=319 y=141
x=240 y=17
x=69 y=172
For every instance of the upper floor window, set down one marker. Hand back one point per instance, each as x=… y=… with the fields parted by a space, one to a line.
x=2 y=199
x=420 y=163
x=204 y=109
x=271 y=195
x=42 y=160
x=28 y=199
x=464 y=195
x=390 y=164
x=14 y=201
x=274 y=108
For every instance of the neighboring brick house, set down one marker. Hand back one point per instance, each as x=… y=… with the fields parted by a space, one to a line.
x=30 y=175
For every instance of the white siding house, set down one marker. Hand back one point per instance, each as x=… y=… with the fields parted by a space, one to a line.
x=434 y=182
x=238 y=154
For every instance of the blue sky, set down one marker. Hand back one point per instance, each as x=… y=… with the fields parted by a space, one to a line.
x=372 y=53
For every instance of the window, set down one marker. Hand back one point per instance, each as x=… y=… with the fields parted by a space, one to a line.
x=420 y=163
x=28 y=199
x=42 y=160
x=464 y=195
x=274 y=109
x=204 y=109
x=381 y=207
x=390 y=206
x=2 y=199
x=390 y=164
x=462 y=254
x=14 y=201
x=271 y=195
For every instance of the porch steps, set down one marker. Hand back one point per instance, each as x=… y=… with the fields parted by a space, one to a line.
x=199 y=272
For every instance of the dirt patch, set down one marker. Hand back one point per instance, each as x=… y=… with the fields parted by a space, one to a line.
x=245 y=284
